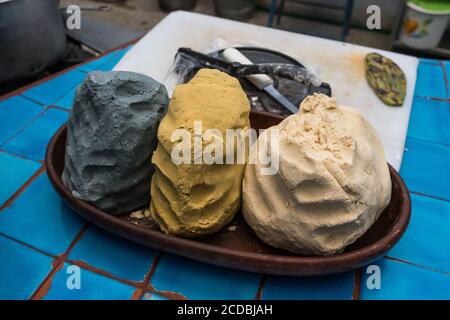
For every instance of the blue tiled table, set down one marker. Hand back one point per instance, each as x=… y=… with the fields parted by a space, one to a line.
x=43 y=244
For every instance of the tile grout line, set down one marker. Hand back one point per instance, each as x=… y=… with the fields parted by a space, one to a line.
x=166 y=294
x=154 y=265
x=427 y=141
x=31 y=100
x=21 y=130
x=445 y=78
x=19 y=191
x=262 y=282
x=431 y=98
x=40 y=114
x=51 y=104
x=43 y=104
x=170 y=295
x=57 y=264
x=20 y=156
x=58 y=108
x=429 y=196
x=29 y=246
x=44 y=286
x=356 y=294
x=417 y=265
x=104 y=273
x=139 y=292
x=150 y=288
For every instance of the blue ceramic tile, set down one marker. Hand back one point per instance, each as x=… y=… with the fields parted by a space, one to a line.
x=14 y=172
x=110 y=64
x=430 y=81
x=333 y=287
x=430 y=120
x=196 y=280
x=105 y=63
x=427 y=239
x=52 y=90
x=153 y=296
x=39 y=217
x=116 y=255
x=93 y=286
x=98 y=63
x=33 y=140
x=22 y=270
x=430 y=61
x=402 y=281
x=66 y=101
x=425 y=168
x=447 y=66
x=15 y=114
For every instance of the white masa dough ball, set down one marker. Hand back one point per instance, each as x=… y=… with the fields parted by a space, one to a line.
x=332 y=184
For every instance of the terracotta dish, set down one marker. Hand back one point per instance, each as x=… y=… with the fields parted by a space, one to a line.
x=236 y=246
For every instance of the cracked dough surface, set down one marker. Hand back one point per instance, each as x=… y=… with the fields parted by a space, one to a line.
x=194 y=199
x=332 y=184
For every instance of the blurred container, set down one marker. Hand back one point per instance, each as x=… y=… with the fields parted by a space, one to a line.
x=172 y=5
x=235 y=9
x=32 y=37
x=424 y=23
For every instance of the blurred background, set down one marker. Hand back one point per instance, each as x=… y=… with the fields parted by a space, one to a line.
x=35 y=42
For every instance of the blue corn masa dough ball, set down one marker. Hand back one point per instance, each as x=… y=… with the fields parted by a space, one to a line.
x=111 y=135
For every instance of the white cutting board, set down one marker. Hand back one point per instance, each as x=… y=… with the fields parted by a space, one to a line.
x=340 y=64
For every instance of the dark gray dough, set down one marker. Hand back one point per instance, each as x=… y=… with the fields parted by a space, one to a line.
x=111 y=136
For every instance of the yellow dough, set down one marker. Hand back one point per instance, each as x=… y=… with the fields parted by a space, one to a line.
x=332 y=184
x=190 y=200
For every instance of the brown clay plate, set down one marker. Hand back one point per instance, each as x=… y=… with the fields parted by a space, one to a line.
x=236 y=245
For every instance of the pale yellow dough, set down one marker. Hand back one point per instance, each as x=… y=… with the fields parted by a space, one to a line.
x=333 y=181
x=194 y=199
